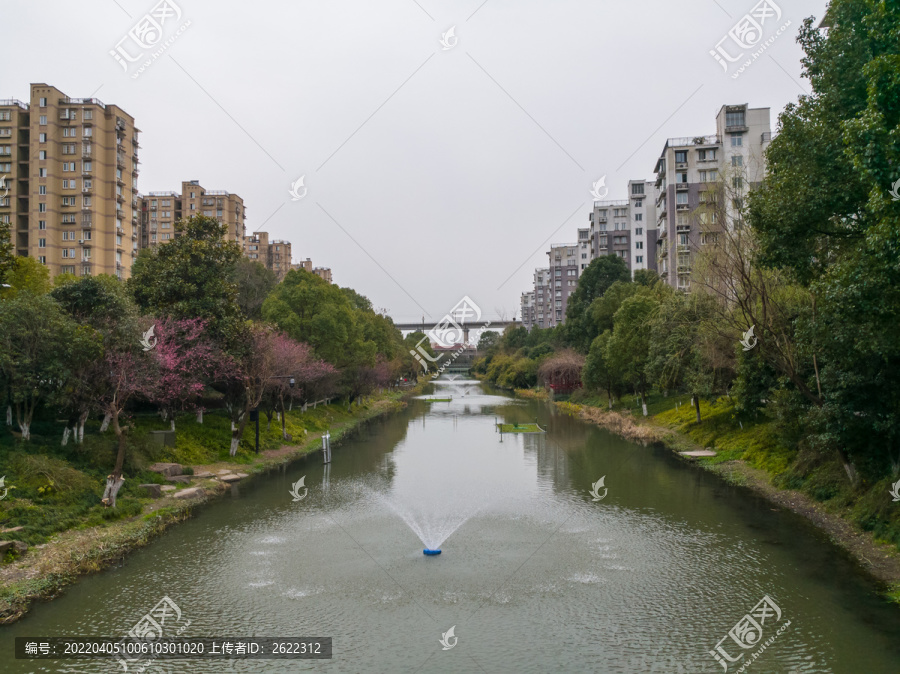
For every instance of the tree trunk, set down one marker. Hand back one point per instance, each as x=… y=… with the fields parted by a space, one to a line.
x=199 y=416
x=82 y=420
x=848 y=466
x=695 y=401
x=9 y=415
x=173 y=422
x=106 y=419
x=115 y=480
x=66 y=433
x=237 y=433
x=23 y=419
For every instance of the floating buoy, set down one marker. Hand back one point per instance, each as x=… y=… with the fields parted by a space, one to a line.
x=431 y=553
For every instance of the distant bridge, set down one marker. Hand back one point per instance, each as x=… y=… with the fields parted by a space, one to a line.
x=424 y=326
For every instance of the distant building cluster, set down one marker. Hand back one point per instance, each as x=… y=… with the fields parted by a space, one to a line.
x=69 y=191
x=323 y=273
x=666 y=220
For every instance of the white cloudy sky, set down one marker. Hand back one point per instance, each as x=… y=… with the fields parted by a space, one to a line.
x=431 y=173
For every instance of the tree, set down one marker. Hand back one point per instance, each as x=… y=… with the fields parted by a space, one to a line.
x=841 y=245
x=562 y=372
x=488 y=340
x=26 y=274
x=254 y=282
x=629 y=344
x=600 y=372
x=37 y=345
x=7 y=256
x=103 y=304
x=128 y=373
x=186 y=361
x=594 y=281
x=191 y=277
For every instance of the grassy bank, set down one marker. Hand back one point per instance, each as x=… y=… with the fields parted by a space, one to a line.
x=54 y=491
x=862 y=518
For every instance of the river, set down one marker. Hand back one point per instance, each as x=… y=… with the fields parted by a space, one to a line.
x=535 y=574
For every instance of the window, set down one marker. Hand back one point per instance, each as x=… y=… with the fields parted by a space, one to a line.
x=86 y=201
x=66 y=131
x=68 y=201
x=42 y=259
x=709 y=176
x=42 y=208
x=42 y=102
x=681 y=198
x=193 y=207
x=737 y=140
x=118 y=239
x=88 y=114
x=738 y=204
x=639 y=217
x=85 y=253
x=42 y=137
x=43 y=120
x=737 y=160
x=86 y=166
x=42 y=189
x=637 y=188
x=42 y=154
x=192 y=195
x=639 y=231
x=639 y=245
x=42 y=224
x=602 y=242
x=737 y=182
x=734 y=118
x=639 y=259
x=639 y=203
x=42 y=173
x=42 y=243
x=88 y=131
x=558 y=273
x=68 y=166
x=681 y=157
x=706 y=155
x=86 y=234
x=681 y=178
x=584 y=256
x=683 y=240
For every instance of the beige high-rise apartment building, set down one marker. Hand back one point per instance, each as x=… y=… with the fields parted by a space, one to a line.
x=71 y=165
x=161 y=210
x=323 y=273
x=275 y=255
x=303 y=264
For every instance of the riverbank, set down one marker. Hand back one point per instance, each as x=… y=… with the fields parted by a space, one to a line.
x=86 y=546
x=748 y=455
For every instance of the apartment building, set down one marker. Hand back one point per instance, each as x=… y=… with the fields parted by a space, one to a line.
x=564 y=273
x=306 y=265
x=323 y=273
x=543 y=297
x=584 y=249
x=161 y=210
x=696 y=176
x=71 y=167
x=275 y=255
x=626 y=227
x=527 y=309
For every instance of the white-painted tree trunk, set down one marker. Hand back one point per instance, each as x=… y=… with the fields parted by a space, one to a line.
x=106 y=419
x=66 y=433
x=235 y=442
x=82 y=420
x=199 y=416
x=233 y=427
x=303 y=409
x=112 y=488
x=9 y=415
x=173 y=424
x=25 y=427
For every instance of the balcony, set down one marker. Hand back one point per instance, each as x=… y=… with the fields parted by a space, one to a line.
x=682 y=187
x=87 y=189
x=120 y=160
x=682 y=207
x=737 y=128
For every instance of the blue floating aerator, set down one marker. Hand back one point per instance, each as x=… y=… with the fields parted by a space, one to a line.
x=431 y=553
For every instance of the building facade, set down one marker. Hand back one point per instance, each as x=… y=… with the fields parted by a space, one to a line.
x=564 y=272
x=696 y=176
x=71 y=166
x=323 y=273
x=275 y=255
x=527 y=309
x=161 y=210
x=543 y=297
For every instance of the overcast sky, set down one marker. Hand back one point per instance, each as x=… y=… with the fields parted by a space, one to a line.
x=430 y=172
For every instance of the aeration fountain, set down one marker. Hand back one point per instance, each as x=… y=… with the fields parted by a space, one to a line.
x=431 y=553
